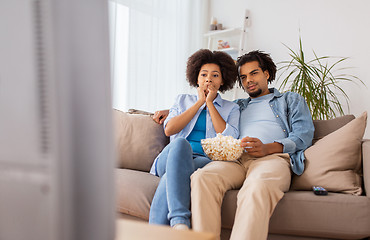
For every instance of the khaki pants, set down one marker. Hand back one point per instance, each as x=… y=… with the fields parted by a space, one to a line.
x=262 y=182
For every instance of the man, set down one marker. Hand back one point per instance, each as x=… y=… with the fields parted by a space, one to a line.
x=275 y=129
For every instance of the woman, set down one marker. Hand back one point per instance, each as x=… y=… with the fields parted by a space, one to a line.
x=192 y=118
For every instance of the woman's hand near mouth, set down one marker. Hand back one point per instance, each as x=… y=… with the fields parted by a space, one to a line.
x=207 y=93
x=212 y=93
x=202 y=94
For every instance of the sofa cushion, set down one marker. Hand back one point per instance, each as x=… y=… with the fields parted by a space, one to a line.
x=334 y=162
x=324 y=127
x=138 y=139
x=302 y=213
x=337 y=216
x=135 y=191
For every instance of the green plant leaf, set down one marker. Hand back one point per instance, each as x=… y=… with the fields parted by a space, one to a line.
x=318 y=81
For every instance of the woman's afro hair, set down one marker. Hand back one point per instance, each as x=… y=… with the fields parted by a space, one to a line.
x=223 y=60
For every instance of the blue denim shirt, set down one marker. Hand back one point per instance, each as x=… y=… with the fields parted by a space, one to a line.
x=229 y=111
x=295 y=119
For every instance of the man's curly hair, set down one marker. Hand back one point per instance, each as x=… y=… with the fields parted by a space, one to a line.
x=264 y=60
x=227 y=66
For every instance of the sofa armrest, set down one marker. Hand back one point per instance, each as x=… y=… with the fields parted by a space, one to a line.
x=366 y=165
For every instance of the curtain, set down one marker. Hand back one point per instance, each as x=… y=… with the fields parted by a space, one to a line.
x=150 y=45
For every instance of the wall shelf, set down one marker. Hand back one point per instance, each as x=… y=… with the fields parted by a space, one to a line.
x=227 y=34
x=222 y=33
x=233 y=52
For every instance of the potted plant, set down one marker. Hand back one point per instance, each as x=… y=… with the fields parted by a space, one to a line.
x=318 y=81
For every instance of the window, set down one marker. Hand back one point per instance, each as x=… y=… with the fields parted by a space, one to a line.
x=119 y=32
x=151 y=41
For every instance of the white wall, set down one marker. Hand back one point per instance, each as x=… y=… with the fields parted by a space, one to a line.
x=330 y=27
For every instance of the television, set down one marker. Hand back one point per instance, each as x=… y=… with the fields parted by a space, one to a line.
x=56 y=137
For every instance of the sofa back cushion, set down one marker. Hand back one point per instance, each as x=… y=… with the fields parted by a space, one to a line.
x=138 y=140
x=324 y=127
x=334 y=161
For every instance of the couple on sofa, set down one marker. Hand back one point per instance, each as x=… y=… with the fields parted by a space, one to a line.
x=274 y=129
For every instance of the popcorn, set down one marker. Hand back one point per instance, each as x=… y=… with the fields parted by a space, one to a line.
x=222 y=148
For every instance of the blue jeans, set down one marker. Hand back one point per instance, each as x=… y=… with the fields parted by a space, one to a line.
x=171 y=202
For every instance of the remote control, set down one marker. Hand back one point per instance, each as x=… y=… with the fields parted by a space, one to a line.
x=319 y=190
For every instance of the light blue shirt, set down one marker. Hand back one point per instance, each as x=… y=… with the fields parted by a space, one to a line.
x=294 y=117
x=228 y=110
x=259 y=121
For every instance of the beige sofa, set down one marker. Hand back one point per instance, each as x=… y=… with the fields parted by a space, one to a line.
x=299 y=215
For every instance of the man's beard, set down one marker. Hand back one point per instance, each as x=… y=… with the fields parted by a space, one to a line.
x=256 y=93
